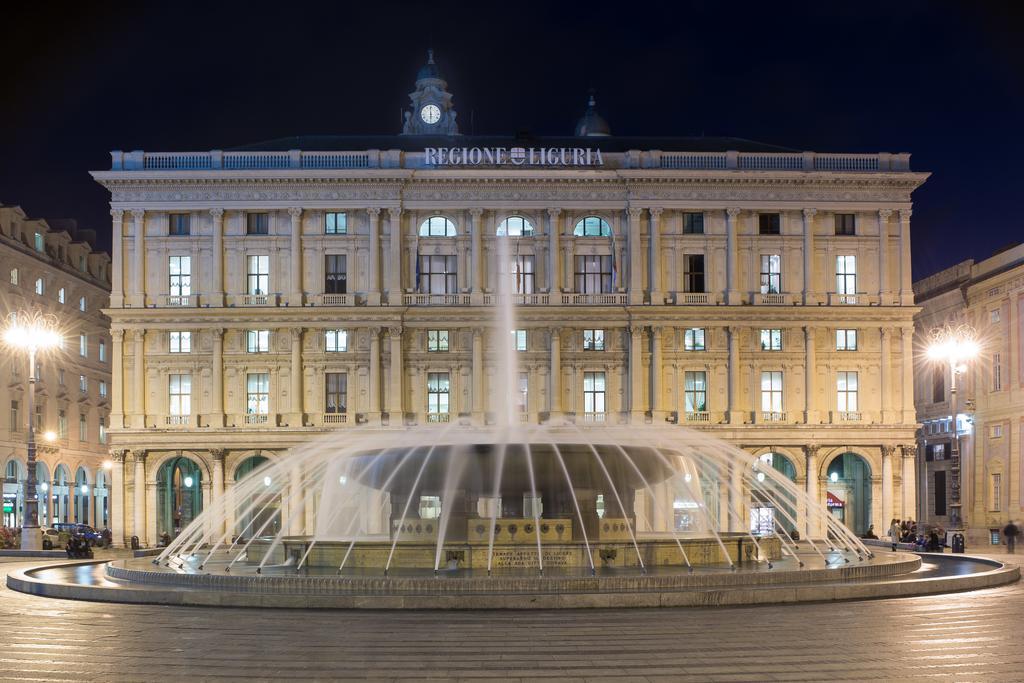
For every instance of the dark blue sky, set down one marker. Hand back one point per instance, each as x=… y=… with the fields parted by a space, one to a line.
x=940 y=80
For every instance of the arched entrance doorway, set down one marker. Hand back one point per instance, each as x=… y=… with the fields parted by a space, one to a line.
x=848 y=491
x=179 y=495
x=80 y=496
x=12 y=494
x=61 y=494
x=257 y=515
x=765 y=517
x=101 y=510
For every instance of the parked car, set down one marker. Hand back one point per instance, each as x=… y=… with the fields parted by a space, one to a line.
x=91 y=535
x=53 y=538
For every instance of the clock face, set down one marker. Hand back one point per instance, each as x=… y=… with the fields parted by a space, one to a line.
x=430 y=114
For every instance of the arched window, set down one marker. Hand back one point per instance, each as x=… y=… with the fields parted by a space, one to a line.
x=515 y=226
x=437 y=226
x=592 y=226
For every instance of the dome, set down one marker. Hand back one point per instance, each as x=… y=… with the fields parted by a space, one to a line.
x=591 y=123
x=429 y=70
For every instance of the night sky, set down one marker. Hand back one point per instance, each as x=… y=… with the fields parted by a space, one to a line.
x=940 y=80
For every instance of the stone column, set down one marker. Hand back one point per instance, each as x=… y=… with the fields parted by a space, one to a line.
x=295 y=296
x=654 y=264
x=885 y=377
x=809 y=297
x=216 y=295
x=909 y=414
x=814 y=525
x=636 y=287
x=117 y=379
x=732 y=277
x=216 y=418
x=555 y=390
x=395 y=247
x=117 y=259
x=297 y=413
x=478 y=376
x=139 y=380
x=884 y=290
x=906 y=284
x=138 y=295
x=554 y=257
x=116 y=494
x=657 y=398
x=373 y=274
x=374 y=407
x=395 y=376
x=476 y=296
x=910 y=481
x=636 y=377
x=139 y=497
x=735 y=415
x=811 y=414
x=217 y=490
x=887 y=508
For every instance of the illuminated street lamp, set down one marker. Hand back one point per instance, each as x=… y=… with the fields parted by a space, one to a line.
x=31 y=332
x=955 y=346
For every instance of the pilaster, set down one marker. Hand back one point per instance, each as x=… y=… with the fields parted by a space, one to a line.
x=215 y=297
x=657 y=293
x=809 y=296
x=117 y=259
x=636 y=291
x=373 y=276
x=295 y=296
x=732 y=277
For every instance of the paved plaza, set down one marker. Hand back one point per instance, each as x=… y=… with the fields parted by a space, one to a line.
x=967 y=636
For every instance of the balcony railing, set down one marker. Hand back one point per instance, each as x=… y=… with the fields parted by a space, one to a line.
x=177 y=420
x=259 y=300
x=849 y=416
x=335 y=300
x=859 y=299
x=693 y=298
x=607 y=299
x=771 y=299
x=178 y=300
x=257 y=419
x=595 y=418
x=697 y=416
x=334 y=418
x=435 y=299
x=439 y=417
x=517 y=299
x=772 y=416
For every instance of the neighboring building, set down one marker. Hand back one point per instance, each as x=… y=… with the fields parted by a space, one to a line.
x=989 y=296
x=265 y=295
x=51 y=267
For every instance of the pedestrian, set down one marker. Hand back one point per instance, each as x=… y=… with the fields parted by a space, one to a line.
x=894 y=533
x=1011 y=531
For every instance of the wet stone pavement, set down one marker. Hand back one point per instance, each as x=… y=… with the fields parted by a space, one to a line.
x=967 y=636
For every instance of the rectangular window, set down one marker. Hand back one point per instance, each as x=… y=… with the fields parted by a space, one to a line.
x=438 y=391
x=83 y=428
x=997 y=372
x=938 y=384
x=103 y=429
x=438 y=275
x=62 y=424
x=997 y=431
x=81 y=304
x=693 y=277
x=522 y=269
x=693 y=339
x=437 y=340
x=846 y=274
x=846 y=391
x=103 y=389
x=593 y=274
x=335 y=223
x=996 y=493
x=771 y=340
x=845 y=224
x=179 y=224
x=40 y=286
x=771 y=391
x=520 y=339
x=258 y=275
x=60 y=376
x=336 y=392
x=257 y=341
x=768 y=223
x=693 y=223
x=179 y=391
x=523 y=396
x=15 y=424
x=846 y=340
x=593 y=340
x=695 y=389
x=179 y=271
x=103 y=352
x=181 y=342
x=257 y=389
x=60 y=295
x=336 y=341
x=940 y=493
x=83 y=384
x=771 y=273
x=257 y=223
x=335 y=274
x=40 y=242
x=993 y=316
x=15 y=276
x=83 y=345
x=594 y=393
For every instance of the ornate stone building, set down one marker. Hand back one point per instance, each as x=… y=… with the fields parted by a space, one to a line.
x=267 y=295
x=989 y=296
x=52 y=267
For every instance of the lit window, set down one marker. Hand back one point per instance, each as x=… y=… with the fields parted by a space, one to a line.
x=437 y=226
x=693 y=223
x=336 y=341
x=996 y=493
x=81 y=304
x=845 y=224
x=15 y=276
x=60 y=295
x=771 y=391
x=771 y=340
x=179 y=224
x=594 y=393
x=524 y=392
x=83 y=345
x=846 y=391
x=695 y=396
x=103 y=351
x=179 y=390
x=520 y=339
x=257 y=341
x=846 y=340
x=257 y=385
x=593 y=340
x=997 y=431
x=846 y=274
x=592 y=226
x=438 y=391
x=40 y=242
x=437 y=340
x=103 y=389
x=258 y=275
x=257 y=223
x=179 y=270
x=515 y=226
x=336 y=392
x=40 y=286
x=771 y=273
x=522 y=270
x=993 y=316
x=335 y=274
x=594 y=274
x=438 y=274
x=103 y=429
x=181 y=342
x=335 y=223
x=83 y=384
x=693 y=339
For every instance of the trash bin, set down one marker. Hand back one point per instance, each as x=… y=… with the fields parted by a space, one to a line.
x=958 y=543
x=135 y=543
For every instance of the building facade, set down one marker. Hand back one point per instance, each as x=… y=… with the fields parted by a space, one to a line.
x=989 y=296
x=51 y=267
x=266 y=295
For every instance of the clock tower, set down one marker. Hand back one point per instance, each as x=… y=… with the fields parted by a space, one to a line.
x=431 y=112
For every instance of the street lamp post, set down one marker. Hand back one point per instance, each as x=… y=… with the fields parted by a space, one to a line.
x=955 y=346
x=31 y=332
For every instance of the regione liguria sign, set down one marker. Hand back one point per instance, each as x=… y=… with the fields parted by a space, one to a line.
x=512 y=156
